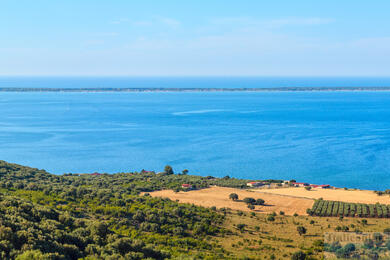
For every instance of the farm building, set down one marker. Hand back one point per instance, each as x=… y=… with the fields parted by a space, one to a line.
x=186 y=186
x=300 y=184
x=255 y=184
x=323 y=186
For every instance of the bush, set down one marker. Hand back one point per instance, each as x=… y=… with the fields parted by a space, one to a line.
x=241 y=227
x=298 y=256
x=271 y=218
x=301 y=230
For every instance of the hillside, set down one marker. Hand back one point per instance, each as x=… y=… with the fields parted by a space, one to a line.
x=112 y=216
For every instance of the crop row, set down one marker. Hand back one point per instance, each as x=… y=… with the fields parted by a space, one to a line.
x=326 y=208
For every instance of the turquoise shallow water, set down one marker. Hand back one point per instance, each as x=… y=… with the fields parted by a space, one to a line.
x=339 y=138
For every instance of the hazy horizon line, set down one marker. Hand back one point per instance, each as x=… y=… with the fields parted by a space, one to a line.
x=194 y=76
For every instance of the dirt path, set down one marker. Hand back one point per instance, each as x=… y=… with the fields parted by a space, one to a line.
x=219 y=197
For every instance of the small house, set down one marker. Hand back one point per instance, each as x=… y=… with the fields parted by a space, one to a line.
x=96 y=174
x=254 y=184
x=186 y=186
x=300 y=184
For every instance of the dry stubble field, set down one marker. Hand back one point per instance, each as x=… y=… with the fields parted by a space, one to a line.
x=219 y=197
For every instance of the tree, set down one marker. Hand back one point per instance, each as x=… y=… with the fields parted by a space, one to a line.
x=233 y=196
x=250 y=206
x=168 y=170
x=301 y=230
x=184 y=172
x=249 y=201
x=378 y=239
x=369 y=243
x=34 y=255
x=307 y=188
x=260 y=202
x=388 y=244
x=349 y=248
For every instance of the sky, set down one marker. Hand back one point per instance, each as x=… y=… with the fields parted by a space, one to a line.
x=195 y=38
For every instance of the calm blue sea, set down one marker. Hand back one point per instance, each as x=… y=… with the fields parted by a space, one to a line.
x=337 y=138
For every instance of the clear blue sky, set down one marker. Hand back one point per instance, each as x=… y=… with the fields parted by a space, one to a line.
x=195 y=37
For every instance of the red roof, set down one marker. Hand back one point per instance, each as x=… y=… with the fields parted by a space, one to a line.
x=96 y=173
x=186 y=185
x=321 y=186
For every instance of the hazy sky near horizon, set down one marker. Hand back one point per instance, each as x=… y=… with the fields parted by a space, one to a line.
x=195 y=37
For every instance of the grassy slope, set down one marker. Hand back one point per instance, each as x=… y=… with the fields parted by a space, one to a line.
x=280 y=237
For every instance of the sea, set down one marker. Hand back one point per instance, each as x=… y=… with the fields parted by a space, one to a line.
x=341 y=138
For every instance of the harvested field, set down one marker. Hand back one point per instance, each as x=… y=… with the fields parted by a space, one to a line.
x=354 y=196
x=219 y=197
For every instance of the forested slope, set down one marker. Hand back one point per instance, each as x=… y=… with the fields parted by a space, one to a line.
x=102 y=217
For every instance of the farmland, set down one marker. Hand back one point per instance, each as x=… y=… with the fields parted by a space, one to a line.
x=326 y=208
x=219 y=197
x=336 y=194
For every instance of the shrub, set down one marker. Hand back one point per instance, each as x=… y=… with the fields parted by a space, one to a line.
x=241 y=227
x=271 y=218
x=301 y=230
x=298 y=256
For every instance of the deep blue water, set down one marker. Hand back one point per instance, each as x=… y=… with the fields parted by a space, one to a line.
x=191 y=82
x=340 y=138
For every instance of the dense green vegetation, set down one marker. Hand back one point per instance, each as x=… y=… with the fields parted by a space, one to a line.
x=326 y=208
x=105 y=216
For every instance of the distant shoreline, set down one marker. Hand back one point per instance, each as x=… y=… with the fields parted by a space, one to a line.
x=279 y=89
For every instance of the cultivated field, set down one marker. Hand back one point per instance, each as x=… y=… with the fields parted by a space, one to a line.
x=219 y=197
x=354 y=196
